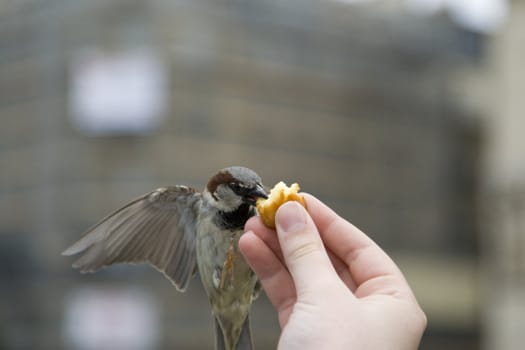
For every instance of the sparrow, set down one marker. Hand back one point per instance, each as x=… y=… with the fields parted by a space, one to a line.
x=178 y=230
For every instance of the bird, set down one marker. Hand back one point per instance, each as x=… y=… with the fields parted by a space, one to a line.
x=179 y=231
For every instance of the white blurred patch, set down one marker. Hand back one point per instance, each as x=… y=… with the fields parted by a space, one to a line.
x=118 y=92
x=116 y=319
x=477 y=15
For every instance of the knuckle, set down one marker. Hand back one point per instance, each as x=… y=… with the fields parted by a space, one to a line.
x=305 y=249
x=423 y=319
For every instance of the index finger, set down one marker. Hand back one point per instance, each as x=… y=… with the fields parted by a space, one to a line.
x=370 y=267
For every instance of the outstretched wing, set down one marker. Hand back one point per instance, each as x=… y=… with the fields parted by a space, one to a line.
x=157 y=228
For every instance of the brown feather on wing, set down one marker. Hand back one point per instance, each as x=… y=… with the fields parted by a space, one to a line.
x=157 y=228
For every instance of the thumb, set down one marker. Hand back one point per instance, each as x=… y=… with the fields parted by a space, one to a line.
x=302 y=248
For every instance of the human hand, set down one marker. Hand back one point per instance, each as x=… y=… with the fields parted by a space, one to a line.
x=332 y=286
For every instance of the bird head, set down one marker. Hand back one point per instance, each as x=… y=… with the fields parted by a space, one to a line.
x=231 y=187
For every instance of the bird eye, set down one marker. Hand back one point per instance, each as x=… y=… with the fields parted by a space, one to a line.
x=235 y=186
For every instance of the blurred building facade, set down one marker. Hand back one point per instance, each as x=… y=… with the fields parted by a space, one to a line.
x=356 y=104
x=496 y=94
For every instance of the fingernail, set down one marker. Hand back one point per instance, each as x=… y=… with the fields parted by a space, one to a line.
x=291 y=217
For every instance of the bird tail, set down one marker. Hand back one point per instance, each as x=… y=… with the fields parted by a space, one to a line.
x=243 y=343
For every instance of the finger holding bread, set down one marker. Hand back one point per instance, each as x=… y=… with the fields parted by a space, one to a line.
x=279 y=195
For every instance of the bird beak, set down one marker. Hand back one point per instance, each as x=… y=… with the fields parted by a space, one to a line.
x=256 y=193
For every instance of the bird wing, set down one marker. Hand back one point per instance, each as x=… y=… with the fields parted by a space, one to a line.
x=158 y=228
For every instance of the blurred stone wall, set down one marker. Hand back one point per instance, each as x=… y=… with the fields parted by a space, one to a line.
x=493 y=92
x=503 y=199
x=353 y=104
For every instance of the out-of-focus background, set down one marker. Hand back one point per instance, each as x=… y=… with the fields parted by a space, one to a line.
x=405 y=116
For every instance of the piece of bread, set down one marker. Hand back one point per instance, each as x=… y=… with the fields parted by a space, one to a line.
x=279 y=195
